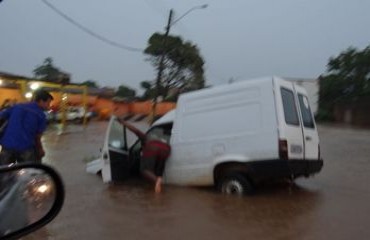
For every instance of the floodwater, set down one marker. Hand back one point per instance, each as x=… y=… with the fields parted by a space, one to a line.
x=335 y=204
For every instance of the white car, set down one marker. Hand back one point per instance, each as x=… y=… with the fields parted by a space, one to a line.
x=75 y=114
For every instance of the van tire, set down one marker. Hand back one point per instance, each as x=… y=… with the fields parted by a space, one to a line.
x=235 y=184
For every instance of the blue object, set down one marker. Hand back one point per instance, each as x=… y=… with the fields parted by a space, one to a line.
x=25 y=122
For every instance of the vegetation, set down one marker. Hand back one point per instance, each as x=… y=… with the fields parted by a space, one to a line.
x=125 y=92
x=182 y=68
x=48 y=72
x=90 y=83
x=347 y=80
x=149 y=90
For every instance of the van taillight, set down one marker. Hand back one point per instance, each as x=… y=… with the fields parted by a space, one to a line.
x=283 y=149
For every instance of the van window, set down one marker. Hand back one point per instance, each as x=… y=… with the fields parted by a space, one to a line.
x=290 y=110
x=306 y=111
x=116 y=136
x=160 y=132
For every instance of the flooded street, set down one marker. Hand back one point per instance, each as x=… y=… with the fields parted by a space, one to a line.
x=335 y=204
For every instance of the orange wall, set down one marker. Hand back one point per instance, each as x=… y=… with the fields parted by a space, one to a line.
x=141 y=107
x=146 y=107
x=109 y=107
x=121 y=109
x=104 y=107
x=165 y=107
x=6 y=93
x=73 y=99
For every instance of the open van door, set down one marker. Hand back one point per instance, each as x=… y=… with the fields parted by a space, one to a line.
x=115 y=155
x=310 y=135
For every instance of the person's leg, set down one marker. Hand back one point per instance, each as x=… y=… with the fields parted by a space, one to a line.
x=147 y=168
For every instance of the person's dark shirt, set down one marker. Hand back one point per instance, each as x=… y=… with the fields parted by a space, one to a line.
x=25 y=122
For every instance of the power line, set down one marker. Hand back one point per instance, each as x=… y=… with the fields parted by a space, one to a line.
x=89 y=31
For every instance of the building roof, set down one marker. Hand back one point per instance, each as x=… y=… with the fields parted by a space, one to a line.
x=12 y=76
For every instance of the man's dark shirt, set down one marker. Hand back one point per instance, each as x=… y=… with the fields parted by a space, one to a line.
x=25 y=122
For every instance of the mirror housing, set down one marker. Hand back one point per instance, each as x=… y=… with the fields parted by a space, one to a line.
x=32 y=194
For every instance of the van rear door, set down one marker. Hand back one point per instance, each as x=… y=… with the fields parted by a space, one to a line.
x=310 y=135
x=290 y=132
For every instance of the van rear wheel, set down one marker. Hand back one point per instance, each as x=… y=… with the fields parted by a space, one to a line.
x=235 y=184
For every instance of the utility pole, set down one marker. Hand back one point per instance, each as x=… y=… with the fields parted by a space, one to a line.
x=163 y=54
x=161 y=67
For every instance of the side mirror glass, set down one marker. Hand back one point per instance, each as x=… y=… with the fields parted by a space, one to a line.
x=31 y=195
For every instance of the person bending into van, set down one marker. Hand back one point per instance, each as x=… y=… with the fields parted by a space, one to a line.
x=21 y=140
x=155 y=151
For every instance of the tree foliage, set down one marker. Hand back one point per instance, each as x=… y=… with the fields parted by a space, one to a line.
x=125 y=92
x=48 y=72
x=90 y=83
x=183 y=64
x=347 y=78
x=149 y=90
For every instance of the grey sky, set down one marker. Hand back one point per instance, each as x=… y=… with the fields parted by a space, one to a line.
x=237 y=38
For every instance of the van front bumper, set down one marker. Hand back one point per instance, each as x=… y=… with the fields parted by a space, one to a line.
x=278 y=168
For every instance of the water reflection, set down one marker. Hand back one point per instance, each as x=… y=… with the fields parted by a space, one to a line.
x=282 y=211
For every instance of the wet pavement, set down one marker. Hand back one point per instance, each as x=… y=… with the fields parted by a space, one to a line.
x=335 y=204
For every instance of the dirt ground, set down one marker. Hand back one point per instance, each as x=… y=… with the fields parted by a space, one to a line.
x=332 y=205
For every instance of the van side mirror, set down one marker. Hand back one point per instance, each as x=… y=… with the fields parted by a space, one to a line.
x=31 y=195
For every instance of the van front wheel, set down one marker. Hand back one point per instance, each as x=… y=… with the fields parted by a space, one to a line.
x=235 y=184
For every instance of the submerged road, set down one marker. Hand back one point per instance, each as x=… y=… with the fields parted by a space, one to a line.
x=335 y=204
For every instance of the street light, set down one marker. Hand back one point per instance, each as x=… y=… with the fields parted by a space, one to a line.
x=187 y=12
x=161 y=61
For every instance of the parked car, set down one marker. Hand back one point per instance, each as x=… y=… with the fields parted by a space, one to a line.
x=232 y=136
x=75 y=114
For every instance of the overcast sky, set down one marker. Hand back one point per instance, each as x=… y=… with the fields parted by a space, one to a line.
x=238 y=39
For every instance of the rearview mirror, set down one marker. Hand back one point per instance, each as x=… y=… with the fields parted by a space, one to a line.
x=31 y=195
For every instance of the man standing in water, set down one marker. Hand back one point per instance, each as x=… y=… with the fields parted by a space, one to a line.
x=21 y=141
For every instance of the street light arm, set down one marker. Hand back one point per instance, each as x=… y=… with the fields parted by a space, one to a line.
x=187 y=12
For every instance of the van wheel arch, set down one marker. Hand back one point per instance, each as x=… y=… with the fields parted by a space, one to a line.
x=235 y=183
x=235 y=175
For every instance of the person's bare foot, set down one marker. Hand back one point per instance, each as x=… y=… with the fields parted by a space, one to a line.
x=158 y=185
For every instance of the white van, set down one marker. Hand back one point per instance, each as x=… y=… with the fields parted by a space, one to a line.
x=231 y=136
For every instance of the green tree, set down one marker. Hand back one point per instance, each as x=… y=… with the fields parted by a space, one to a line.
x=346 y=80
x=149 y=90
x=48 y=72
x=90 y=83
x=183 y=64
x=125 y=92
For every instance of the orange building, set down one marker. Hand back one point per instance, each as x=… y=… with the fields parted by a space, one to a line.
x=14 y=88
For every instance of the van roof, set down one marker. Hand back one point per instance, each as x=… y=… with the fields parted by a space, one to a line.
x=170 y=116
x=235 y=85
